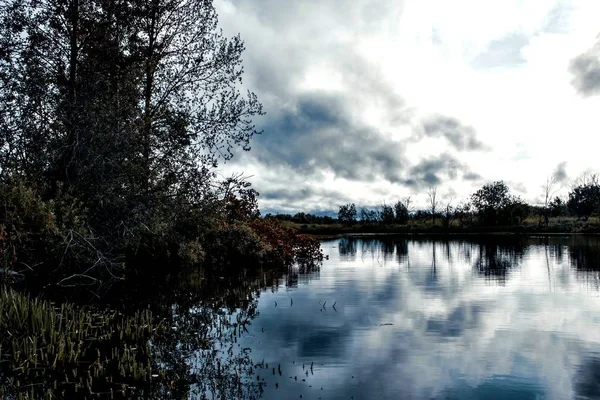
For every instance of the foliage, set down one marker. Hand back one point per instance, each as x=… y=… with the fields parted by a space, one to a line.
x=369 y=216
x=283 y=246
x=387 y=214
x=400 y=213
x=496 y=206
x=558 y=207
x=584 y=199
x=448 y=215
x=303 y=218
x=113 y=119
x=347 y=213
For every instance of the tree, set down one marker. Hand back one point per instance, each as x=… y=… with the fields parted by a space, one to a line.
x=495 y=205
x=584 y=198
x=448 y=214
x=558 y=207
x=124 y=107
x=464 y=213
x=347 y=213
x=433 y=202
x=369 y=216
x=133 y=99
x=400 y=213
x=549 y=192
x=387 y=214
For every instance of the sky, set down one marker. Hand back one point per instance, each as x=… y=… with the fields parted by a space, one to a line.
x=372 y=101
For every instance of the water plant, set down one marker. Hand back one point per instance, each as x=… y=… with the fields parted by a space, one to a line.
x=47 y=350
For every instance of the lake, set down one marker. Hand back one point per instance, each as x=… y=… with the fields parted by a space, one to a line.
x=492 y=317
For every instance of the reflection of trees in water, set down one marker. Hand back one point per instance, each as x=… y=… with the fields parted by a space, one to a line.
x=347 y=248
x=300 y=274
x=402 y=250
x=495 y=258
x=388 y=247
x=381 y=248
x=584 y=257
x=193 y=352
x=370 y=247
x=584 y=254
x=198 y=351
x=587 y=379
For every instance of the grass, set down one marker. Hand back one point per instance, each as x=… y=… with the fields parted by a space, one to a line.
x=48 y=350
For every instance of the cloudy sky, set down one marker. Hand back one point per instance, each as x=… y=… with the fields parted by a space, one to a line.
x=370 y=101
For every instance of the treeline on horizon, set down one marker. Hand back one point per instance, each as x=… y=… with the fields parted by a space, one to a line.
x=491 y=206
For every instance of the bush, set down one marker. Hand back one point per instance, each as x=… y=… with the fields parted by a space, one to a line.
x=51 y=242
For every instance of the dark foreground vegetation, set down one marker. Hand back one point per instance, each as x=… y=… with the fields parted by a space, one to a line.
x=491 y=209
x=114 y=116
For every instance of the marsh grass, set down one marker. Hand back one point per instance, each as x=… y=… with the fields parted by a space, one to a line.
x=50 y=351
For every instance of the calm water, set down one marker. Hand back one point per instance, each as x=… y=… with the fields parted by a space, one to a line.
x=492 y=318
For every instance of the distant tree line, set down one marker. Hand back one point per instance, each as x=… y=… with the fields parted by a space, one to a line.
x=303 y=218
x=492 y=205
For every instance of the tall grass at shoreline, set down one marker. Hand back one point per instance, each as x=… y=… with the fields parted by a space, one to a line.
x=48 y=350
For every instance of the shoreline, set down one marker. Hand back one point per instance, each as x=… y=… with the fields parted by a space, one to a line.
x=324 y=232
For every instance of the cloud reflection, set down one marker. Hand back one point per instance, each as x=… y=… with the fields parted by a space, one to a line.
x=454 y=319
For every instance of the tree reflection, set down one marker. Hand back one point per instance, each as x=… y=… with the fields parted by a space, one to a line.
x=587 y=381
x=380 y=248
x=402 y=250
x=347 y=248
x=584 y=254
x=495 y=258
x=194 y=354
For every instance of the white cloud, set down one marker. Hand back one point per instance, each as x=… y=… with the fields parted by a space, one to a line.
x=500 y=67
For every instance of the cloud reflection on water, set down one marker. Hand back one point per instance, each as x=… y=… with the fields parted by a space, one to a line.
x=457 y=319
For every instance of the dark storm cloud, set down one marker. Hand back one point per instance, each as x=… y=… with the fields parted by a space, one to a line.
x=586 y=71
x=319 y=135
x=560 y=173
x=433 y=171
x=503 y=52
x=294 y=193
x=461 y=137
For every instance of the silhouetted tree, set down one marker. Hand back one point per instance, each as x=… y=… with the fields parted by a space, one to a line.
x=584 y=198
x=347 y=213
x=448 y=214
x=116 y=113
x=558 y=207
x=400 y=213
x=495 y=205
x=463 y=213
x=549 y=192
x=387 y=214
x=433 y=202
x=369 y=216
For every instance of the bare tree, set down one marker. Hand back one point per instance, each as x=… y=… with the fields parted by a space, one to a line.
x=549 y=192
x=585 y=179
x=448 y=213
x=433 y=202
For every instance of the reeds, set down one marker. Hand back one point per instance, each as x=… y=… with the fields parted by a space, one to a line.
x=47 y=349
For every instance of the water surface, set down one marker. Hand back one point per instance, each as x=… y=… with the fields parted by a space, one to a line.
x=493 y=318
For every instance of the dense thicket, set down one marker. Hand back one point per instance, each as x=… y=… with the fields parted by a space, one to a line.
x=113 y=117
